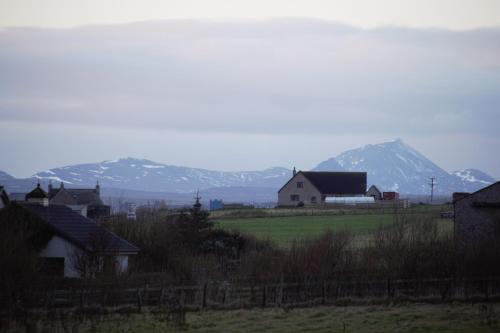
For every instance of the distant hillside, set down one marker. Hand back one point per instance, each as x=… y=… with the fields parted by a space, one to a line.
x=145 y=175
x=4 y=176
x=390 y=165
x=395 y=166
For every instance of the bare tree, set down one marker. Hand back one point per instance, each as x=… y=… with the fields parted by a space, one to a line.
x=97 y=258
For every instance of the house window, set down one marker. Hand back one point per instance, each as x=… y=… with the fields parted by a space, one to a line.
x=313 y=200
x=294 y=197
x=300 y=184
x=51 y=266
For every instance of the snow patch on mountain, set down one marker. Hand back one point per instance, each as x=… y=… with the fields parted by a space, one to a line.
x=473 y=179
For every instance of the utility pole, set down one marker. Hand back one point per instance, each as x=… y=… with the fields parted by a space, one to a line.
x=432 y=184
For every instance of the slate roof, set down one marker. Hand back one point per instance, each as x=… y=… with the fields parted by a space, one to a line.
x=80 y=230
x=466 y=195
x=337 y=183
x=81 y=196
x=4 y=196
x=37 y=193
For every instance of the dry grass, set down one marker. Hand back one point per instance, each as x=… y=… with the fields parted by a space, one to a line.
x=426 y=318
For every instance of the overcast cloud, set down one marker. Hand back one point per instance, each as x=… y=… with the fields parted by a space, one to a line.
x=300 y=79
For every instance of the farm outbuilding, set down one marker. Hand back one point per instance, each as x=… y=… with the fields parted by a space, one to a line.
x=312 y=188
x=477 y=215
x=374 y=192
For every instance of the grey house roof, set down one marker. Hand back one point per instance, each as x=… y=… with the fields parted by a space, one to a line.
x=81 y=231
x=336 y=183
x=81 y=196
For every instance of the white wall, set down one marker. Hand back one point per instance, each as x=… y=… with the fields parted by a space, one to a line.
x=80 y=209
x=121 y=264
x=60 y=248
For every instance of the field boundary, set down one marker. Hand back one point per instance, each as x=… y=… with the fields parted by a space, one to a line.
x=252 y=293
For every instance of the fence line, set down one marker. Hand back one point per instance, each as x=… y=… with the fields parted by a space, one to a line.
x=230 y=295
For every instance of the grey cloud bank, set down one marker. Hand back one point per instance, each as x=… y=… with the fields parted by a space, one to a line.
x=303 y=79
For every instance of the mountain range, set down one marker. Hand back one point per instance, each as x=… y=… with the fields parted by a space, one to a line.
x=391 y=166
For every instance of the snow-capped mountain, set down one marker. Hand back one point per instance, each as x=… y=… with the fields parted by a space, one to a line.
x=145 y=175
x=395 y=166
x=473 y=178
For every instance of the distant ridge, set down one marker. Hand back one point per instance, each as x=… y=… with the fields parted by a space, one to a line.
x=392 y=166
x=395 y=166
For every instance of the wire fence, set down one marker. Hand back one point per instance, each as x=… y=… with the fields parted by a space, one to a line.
x=252 y=293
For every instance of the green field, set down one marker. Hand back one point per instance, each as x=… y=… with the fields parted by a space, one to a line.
x=286 y=229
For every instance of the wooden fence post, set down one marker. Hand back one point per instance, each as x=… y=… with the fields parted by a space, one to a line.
x=145 y=294
x=81 y=298
x=264 y=296
x=160 y=297
x=324 y=293
x=282 y=292
x=204 y=296
x=139 y=301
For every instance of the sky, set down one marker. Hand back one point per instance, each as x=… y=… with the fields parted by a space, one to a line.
x=450 y=14
x=247 y=85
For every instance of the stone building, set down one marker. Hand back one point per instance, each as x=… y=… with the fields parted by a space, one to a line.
x=477 y=215
x=86 y=201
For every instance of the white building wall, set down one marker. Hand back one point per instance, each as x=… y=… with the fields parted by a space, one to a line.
x=121 y=264
x=80 y=209
x=58 y=247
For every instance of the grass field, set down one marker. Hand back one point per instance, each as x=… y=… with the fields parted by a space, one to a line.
x=285 y=229
x=443 y=318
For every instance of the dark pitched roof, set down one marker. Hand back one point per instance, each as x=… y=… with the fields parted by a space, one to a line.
x=37 y=193
x=339 y=183
x=80 y=230
x=466 y=195
x=81 y=196
x=4 y=196
x=61 y=196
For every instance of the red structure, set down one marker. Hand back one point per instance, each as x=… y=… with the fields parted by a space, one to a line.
x=390 y=196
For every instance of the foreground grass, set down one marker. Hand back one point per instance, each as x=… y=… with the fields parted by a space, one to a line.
x=286 y=229
x=447 y=318
x=413 y=318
